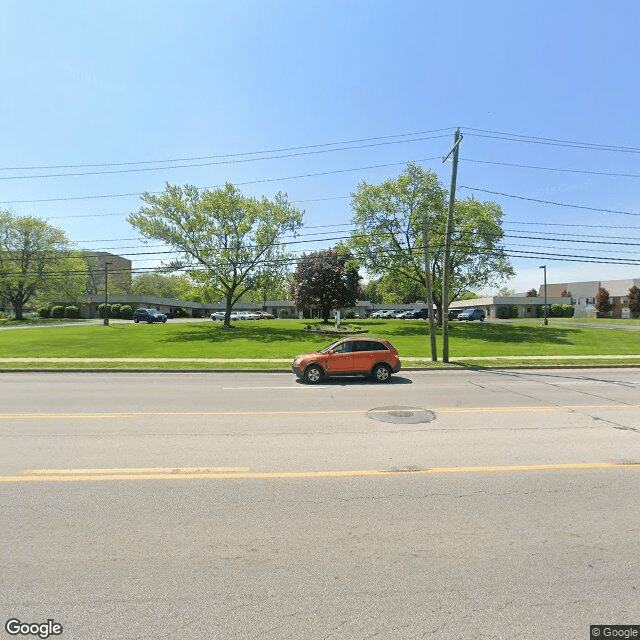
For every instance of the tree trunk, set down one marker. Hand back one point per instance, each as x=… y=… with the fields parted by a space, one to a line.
x=17 y=308
x=227 y=311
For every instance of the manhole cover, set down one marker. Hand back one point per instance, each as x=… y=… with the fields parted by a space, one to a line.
x=401 y=415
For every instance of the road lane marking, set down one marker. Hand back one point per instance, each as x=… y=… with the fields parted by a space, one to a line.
x=137 y=470
x=97 y=475
x=334 y=412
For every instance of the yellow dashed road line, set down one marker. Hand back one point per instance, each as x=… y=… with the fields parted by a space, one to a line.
x=337 y=412
x=241 y=473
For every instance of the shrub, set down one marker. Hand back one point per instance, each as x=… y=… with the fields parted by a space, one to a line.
x=71 y=312
x=115 y=311
x=101 y=309
x=507 y=312
x=126 y=312
x=556 y=310
x=44 y=312
x=283 y=313
x=349 y=314
x=57 y=311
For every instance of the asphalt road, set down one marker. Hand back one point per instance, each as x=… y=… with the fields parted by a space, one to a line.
x=496 y=504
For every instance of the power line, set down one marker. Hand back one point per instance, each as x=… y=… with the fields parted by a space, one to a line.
x=529 y=166
x=248 y=182
x=216 y=163
x=226 y=155
x=514 y=137
x=557 y=204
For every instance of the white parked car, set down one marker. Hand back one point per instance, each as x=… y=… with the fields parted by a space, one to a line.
x=247 y=315
x=217 y=315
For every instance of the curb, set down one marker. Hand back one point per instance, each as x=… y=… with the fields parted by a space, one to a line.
x=456 y=368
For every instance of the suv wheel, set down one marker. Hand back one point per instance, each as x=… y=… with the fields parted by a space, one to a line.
x=381 y=373
x=313 y=374
x=136 y=320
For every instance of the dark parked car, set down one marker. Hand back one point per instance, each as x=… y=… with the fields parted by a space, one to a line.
x=349 y=357
x=454 y=313
x=420 y=312
x=148 y=315
x=472 y=314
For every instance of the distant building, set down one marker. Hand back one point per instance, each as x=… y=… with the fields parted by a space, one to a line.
x=583 y=295
x=118 y=268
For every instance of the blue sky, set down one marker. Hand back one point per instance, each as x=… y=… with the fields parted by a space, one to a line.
x=128 y=82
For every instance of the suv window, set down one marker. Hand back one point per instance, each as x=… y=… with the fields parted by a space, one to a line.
x=370 y=345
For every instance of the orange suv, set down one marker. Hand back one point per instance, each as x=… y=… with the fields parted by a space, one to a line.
x=349 y=357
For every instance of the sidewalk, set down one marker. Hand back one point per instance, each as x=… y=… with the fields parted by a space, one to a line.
x=289 y=360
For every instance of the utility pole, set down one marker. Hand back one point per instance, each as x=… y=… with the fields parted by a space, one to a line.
x=106 y=295
x=447 y=245
x=428 y=286
x=544 y=266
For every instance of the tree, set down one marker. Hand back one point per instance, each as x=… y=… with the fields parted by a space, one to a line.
x=396 y=291
x=223 y=237
x=326 y=279
x=532 y=293
x=603 y=301
x=390 y=219
x=634 y=301
x=372 y=292
x=272 y=283
x=161 y=285
x=36 y=261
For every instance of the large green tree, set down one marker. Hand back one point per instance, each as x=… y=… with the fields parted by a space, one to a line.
x=225 y=238
x=162 y=285
x=390 y=221
x=325 y=279
x=36 y=261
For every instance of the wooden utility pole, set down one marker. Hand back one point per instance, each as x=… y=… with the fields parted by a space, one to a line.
x=428 y=286
x=106 y=294
x=447 y=246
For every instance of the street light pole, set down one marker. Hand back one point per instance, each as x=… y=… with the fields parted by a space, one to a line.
x=544 y=266
x=106 y=296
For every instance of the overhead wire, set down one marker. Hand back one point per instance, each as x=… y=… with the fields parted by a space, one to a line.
x=225 y=155
x=216 y=163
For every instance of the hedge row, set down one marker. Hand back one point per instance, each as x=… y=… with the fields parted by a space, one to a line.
x=59 y=312
x=123 y=311
x=556 y=311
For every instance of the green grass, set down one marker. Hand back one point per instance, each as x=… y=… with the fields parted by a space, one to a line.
x=287 y=338
x=611 y=322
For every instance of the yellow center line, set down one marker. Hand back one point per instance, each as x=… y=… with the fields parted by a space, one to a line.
x=236 y=473
x=186 y=414
x=137 y=471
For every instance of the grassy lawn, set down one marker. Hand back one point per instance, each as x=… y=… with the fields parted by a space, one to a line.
x=286 y=338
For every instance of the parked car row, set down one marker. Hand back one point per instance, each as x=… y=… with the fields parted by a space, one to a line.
x=423 y=312
x=243 y=315
x=410 y=314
